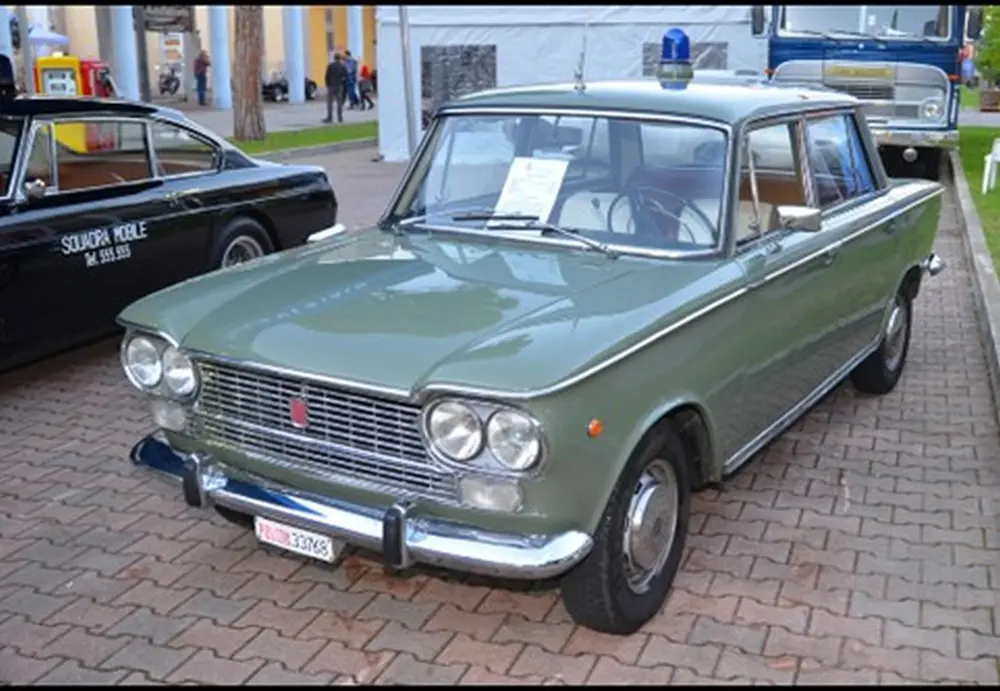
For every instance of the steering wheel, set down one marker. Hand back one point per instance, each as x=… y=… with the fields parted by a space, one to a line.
x=638 y=200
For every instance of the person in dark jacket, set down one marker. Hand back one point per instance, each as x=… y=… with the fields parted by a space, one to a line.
x=336 y=88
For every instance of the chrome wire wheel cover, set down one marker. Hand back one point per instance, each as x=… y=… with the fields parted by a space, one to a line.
x=650 y=524
x=240 y=250
x=895 y=334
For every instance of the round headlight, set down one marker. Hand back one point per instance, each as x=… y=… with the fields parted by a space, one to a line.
x=513 y=439
x=931 y=109
x=142 y=362
x=455 y=430
x=178 y=372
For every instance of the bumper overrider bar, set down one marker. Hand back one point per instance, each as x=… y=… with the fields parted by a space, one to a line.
x=918 y=139
x=933 y=265
x=399 y=533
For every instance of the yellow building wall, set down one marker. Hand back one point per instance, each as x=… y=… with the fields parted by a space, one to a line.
x=371 y=36
x=316 y=58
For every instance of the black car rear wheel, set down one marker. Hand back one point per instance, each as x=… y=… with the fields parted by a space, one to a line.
x=639 y=543
x=243 y=240
x=310 y=90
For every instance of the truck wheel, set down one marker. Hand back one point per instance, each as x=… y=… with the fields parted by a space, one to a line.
x=880 y=372
x=625 y=579
x=243 y=240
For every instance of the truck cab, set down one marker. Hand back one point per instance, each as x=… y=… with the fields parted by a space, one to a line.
x=902 y=61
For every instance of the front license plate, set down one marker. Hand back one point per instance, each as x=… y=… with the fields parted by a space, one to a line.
x=297 y=540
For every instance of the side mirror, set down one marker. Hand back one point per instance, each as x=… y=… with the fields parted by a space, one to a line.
x=975 y=23
x=803 y=218
x=757 y=20
x=34 y=189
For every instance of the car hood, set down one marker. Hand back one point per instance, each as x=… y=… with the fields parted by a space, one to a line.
x=402 y=312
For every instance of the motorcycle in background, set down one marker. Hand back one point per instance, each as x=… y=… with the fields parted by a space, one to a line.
x=169 y=82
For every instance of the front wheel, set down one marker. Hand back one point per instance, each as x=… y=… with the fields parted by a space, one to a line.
x=880 y=372
x=625 y=579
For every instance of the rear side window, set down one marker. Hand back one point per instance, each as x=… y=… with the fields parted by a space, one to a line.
x=837 y=160
x=180 y=153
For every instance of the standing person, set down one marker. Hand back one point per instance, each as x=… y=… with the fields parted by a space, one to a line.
x=201 y=65
x=336 y=88
x=366 y=88
x=352 y=79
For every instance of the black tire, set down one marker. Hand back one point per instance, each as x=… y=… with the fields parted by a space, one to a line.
x=245 y=231
x=597 y=593
x=310 y=91
x=880 y=372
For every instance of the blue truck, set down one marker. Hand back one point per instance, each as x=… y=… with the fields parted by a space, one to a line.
x=903 y=61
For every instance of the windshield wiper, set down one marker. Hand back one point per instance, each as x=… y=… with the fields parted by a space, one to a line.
x=859 y=34
x=531 y=222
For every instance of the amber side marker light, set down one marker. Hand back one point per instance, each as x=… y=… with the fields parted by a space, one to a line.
x=594 y=428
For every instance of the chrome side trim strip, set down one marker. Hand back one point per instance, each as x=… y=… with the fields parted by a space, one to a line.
x=786 y=420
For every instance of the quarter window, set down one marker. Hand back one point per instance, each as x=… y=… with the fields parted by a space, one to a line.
x=180 y=153
x=837 y=160
x=771 y=176
x=39 y=165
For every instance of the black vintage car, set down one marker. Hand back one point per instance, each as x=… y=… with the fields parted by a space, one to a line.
x=275 y=89
x=104 y=201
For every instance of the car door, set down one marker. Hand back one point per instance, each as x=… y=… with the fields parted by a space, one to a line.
x=785 y=313
x=188 y=165
x=83 y=210
x=855 y=214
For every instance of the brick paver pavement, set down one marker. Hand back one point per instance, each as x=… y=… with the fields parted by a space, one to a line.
x=861 y=547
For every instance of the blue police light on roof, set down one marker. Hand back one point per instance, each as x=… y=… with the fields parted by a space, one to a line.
x=675 y=60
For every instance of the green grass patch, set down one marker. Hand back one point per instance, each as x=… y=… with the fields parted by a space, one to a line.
x=968 y=98
x=974 y=144
x=311 y=136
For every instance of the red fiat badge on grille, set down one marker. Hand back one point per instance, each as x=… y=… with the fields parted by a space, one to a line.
x=299 y=412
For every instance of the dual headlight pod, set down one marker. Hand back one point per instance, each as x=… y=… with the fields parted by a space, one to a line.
x=932 y=108
x=150 y=363
x=458 y=432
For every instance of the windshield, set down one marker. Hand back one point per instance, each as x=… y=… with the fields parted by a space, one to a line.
x=622 y=182
x=883 y=21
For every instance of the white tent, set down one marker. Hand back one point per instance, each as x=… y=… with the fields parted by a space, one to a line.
x=455 y=50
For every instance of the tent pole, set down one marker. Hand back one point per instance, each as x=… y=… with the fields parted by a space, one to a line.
x=404 y=46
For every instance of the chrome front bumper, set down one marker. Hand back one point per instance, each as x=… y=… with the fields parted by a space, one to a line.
x=932 y=139
x=332 y=231
x=399 y=533
x=933 y=265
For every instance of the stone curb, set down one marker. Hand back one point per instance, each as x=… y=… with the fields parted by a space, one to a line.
x=286 y=154
x=986 y=286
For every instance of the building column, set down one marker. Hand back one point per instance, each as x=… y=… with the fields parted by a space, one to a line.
x=105 y=46
x=295 y=52
x=356 y=32
x=126 y=53
x=218 y=30
x=6 y=42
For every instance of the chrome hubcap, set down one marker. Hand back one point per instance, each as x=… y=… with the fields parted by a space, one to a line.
x=650 y=524
x=895 y=335
x=241 y=250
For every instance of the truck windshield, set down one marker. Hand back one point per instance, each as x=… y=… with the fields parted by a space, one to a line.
x=884 y=21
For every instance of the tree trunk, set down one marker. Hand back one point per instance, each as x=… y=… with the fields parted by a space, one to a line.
x=248 y=104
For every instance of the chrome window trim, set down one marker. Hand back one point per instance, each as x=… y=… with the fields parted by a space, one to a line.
x=631 y=250
x=23 y=131
x=53 y=120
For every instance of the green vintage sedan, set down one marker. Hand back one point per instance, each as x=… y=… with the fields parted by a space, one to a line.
x=583 y=303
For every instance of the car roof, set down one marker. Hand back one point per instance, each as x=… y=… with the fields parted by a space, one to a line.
x=59 y=105
x=727 y=101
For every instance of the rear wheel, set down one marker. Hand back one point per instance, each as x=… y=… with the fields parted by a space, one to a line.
x=243 y=240
x=625 y=579
x=310 y=91
x=880 y=372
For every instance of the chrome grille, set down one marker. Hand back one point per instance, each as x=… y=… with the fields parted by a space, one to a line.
x=907 y=111
x=364 y=438
x=864 y=91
